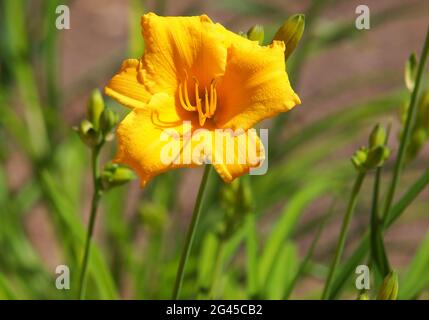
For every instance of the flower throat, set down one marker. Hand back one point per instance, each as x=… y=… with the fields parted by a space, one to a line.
x=205 y=107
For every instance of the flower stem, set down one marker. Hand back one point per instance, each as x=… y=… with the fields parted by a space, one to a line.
x=378 y=251
x=191 y=233
x=94 y=205
x=343 y=233
x=407 y=129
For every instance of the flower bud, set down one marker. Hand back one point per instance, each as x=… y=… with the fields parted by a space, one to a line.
x=359 y=158
x=363 y=296
x=389 y=287
x=417 y=140
x=410 y=72
x=115 y=175
x=256 y=33
x=87 y=133
x=108 y=120
x=291 y=32
x=376 y=157
x=95 y=108
x=377 y=137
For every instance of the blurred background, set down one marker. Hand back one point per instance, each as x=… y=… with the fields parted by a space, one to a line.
x=348 y=81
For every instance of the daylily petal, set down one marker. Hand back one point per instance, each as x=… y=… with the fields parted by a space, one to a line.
x=255 y=85
x=144 y=136
x=127 y=86
x=180 y=47
x=247 y=153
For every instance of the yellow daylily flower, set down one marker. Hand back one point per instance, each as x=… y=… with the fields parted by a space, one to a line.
x=196 y=72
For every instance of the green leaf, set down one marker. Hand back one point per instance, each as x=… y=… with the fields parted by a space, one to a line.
x=284 y=226
x=206 y=260
x=416 y=278
x=283 y=271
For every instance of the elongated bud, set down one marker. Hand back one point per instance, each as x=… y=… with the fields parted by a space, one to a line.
x=115 y=175
x=108 y=120
x=377 y=136
x=95 y=108
x=389 y=287
x=410 y=72
x=256 y=33
x=87 y=133
x=291 y=32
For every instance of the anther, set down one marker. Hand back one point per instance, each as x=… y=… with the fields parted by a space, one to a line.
x=209 y=100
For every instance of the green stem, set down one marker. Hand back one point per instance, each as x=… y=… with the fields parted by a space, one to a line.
x=343 y=233
x=378 y=252
x=94 y=205
x=191 y=233
x=407 y=129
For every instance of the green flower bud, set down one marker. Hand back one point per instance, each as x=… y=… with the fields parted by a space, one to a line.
x=389 y=287
x=363 y=296
x=359 y=158
x=377 y=137
x=95 y=108
x=376 y=157
x=256 y=33
x=87 y=133
x=291 y=32
x=410 y=72
x=115 y=175
x=418 y=139
x=108 y=120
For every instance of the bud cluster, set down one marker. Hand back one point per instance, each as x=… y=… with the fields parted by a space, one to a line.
x=375 y=154
x=99 y=122
x=94 y=131
x=290 y=33
x=237 y=202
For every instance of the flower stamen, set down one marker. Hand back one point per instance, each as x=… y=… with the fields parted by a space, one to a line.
x=209 y=100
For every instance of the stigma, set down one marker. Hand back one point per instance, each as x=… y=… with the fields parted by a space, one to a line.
x=204 y=105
